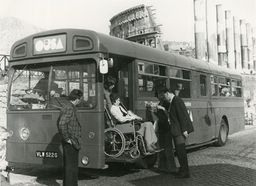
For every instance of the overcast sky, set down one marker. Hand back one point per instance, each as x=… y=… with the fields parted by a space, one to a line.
x=175 y=16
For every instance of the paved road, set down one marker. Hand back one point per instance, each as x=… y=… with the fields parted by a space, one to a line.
x=231 y=165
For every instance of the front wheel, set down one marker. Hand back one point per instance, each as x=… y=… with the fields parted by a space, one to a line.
x=223 y=133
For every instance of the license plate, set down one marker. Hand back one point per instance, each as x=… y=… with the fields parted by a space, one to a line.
x=46 y=154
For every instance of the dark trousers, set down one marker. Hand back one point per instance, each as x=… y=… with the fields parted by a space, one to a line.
x=181 y=154
x=70 y=163
x=166 y=157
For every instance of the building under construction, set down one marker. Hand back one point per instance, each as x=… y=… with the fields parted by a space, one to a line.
x=137 y=24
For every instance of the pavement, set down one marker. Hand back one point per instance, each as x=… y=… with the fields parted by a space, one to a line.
x=231 y=165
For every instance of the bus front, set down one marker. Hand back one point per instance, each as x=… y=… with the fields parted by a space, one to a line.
x=44 y=69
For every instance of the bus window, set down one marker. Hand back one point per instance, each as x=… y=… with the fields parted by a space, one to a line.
x=181 y=78
x=150 y=78
x=224 y=87
x=149 y=84
x=214 y=86
x=30 y=91
x=29 y=87
x=77 y=76
x=203 y=87
x=236 y=87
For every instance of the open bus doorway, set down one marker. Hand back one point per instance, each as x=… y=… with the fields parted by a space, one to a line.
x=121 y=73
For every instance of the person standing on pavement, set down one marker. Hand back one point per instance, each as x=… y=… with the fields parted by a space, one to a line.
x=70 y=132
x=166 y=162
x=180 y=127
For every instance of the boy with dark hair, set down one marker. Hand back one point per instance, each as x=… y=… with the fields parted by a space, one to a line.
x=70 y=132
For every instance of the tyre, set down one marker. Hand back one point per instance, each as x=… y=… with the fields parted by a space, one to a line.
x=114 y=143
x=223 y=133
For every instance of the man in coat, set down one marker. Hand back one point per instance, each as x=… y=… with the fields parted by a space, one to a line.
x=180 y=126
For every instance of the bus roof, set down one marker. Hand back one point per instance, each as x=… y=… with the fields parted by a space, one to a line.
x=113 y=45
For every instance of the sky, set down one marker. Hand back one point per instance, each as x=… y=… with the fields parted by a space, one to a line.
x=175 y=16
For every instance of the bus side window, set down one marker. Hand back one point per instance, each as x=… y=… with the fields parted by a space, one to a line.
x=184 y=91
x=203 y=85
x=214 y=86
x=224 y=87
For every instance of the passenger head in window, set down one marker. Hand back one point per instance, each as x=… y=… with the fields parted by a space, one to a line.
x=42 y=86
x=109 y=83
x=178 y=89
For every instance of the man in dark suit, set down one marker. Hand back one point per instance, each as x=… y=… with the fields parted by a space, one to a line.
x=180 y=126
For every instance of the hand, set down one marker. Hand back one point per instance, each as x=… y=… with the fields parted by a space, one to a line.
x=185 y=133
x=139 y=118
x=69 y=141
x=160 y=107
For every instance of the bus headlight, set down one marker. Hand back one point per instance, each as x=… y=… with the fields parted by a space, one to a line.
x=85 y=160
x=24 y=133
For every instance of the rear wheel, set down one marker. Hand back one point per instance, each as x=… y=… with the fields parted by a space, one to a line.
x=114 y=142
x=223 y=133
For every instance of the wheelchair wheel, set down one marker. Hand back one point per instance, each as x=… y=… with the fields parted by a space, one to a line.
x=114 y=142
x=134 y=153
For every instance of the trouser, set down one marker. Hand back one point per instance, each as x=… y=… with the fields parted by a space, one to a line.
x=147 y=130
x=166 y=157
x=181 y=153
x=70 y=163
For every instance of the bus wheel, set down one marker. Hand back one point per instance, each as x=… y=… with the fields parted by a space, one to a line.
x=223 y=133
x=114 y=142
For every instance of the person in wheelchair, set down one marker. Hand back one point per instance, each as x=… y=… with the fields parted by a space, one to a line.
x=146 y=128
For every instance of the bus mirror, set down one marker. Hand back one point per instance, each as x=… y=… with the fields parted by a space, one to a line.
x=103 y=66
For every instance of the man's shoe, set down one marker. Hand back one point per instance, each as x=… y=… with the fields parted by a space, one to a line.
x=183 y=175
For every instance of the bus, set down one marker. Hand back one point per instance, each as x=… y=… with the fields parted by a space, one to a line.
x=70 y=59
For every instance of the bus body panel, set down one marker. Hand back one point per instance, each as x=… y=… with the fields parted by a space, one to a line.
x=44 y=138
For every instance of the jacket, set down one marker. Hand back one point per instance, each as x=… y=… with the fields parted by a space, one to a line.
x=179 y=117
x=69 y=126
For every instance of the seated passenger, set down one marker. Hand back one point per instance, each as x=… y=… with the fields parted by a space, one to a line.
x=42 y=86
x=146 y=128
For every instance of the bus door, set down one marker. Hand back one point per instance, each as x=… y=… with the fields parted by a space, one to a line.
x=206 y=118
x=122 y=73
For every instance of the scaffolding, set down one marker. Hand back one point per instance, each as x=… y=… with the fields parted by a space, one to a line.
x=4 y=63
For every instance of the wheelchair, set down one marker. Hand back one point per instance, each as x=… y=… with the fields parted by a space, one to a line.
x=122 y=140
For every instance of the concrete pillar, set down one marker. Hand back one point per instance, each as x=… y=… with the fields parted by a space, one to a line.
x=230 y=39
x=254 y=48
x=244 y=44
x=200 y=29
x=237 y=44
x=221 y=36
x=211 y=27
x=249 y=42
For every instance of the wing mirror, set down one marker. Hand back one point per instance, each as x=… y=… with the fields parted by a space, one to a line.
x=105 y=64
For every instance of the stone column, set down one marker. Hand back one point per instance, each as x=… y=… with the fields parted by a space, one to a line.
x=244 y=45
x=221 y=36
x=230 y=39
x=237 y=44
x=200 y=29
